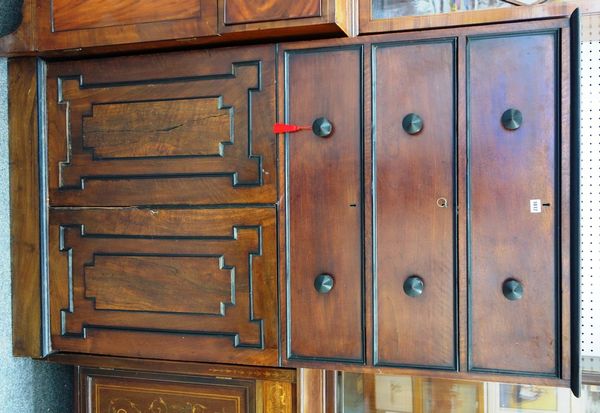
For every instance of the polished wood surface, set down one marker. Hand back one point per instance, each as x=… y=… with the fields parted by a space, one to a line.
x=189 y=128
x=414 y=176
x=242 y=11
x=325 y=204
x=207 y=293
x=70 y=24
x=25 y=206
x=79 y=14
x=508 y=169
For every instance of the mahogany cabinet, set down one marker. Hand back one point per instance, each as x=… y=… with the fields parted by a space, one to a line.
x=423 y=216
x=430 y=211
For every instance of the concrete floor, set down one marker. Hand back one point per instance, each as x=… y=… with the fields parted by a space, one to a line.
x=26 y=386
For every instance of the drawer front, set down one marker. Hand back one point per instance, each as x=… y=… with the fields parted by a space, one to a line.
x=175 y=284
x=415 y=271
x=512 y=192
x=185 y=128
x=242 y=11
x=76 y=23
x=122 y=392
x=324 y=204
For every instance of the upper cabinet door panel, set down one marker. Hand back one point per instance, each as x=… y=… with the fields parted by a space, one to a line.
x=244 y=11
x=513 y=99
x=414 y=135
x=77 y=23
x=324 y=205
x=191 y=128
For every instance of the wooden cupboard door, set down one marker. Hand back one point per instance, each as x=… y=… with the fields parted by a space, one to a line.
x=182 y=128
x=414 y=204
x=513 y=202
x=242 y=11
x=67 y=24
x=171 y=284
x=324 y=205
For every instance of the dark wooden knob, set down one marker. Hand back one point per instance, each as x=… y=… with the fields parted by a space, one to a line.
x=414 y=286
x=322 y=127
x=512 y=289
x=512 y=119
x=324 y=283
x=412 y=124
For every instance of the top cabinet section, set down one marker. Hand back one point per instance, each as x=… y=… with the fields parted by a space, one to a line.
x=124 y=25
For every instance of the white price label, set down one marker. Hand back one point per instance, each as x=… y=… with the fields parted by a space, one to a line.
x=535 y=206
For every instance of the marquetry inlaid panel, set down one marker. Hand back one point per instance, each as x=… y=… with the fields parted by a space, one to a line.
x=180 y=129
x=201 y=283
x=124 y=393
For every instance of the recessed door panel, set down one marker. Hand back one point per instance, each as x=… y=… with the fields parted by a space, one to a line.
x=512 y=84
x=414 y=134
x=325 y=204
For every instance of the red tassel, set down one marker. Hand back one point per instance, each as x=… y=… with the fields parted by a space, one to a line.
x=285 y=128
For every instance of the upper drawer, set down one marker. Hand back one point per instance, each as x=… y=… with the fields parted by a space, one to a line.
x=64 y=24
x=138 y=24
x=178 y=129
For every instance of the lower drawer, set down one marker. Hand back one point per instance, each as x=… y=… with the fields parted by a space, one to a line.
x=170 y=284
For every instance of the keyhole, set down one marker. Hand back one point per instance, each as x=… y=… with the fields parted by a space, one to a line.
x=442 y=202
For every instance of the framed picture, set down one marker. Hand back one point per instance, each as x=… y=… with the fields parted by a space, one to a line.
x=440 y=395
x=394 y=394
x=519 y=398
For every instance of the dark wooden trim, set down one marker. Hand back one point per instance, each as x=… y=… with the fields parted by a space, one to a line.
x=575 y=310
x=24 y=202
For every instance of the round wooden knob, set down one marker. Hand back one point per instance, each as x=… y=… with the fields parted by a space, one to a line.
x=324 y=283
x=414 y=286
x=512 y=289
x=322 y=127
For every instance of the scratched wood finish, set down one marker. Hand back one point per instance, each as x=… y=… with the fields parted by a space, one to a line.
x=67 y=24
x=413 y=173
x=148 y=129
x=241 y=11
x=140 y=392
x=161 y=129
x=25 y=202
x=507 y=170
x=325 y=204
x=207 y=292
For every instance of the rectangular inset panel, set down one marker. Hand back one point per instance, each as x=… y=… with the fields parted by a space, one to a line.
x=153 y=129
x=126 y=131
x=414 y=87
x=122 y=392
x=512 y=137
x=190 y=284
x=160 y=284
x=87 y=14
x=243 y=11
x=325 y=204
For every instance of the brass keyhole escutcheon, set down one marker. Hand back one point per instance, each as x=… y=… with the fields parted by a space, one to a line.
x=442 y=202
